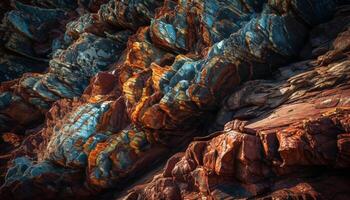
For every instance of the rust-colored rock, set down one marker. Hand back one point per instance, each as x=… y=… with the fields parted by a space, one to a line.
x=258 y=90
x=292 y=144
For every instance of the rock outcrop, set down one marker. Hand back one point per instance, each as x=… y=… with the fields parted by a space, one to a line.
x=305 y=138
x=258 y=89
x=77 y=57
x=287 y=139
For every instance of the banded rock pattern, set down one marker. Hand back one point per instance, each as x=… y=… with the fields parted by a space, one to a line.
x=167 y=83
x=77 y=56
x=287 y=138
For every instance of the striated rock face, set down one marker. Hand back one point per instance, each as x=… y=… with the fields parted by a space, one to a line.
x=287 y=140
x=77 y=57
x=258 y=89
x=192 y=85
x=293 y=145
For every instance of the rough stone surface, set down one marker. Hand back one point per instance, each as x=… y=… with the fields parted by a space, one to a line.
x=251 y=99
x=76 y=56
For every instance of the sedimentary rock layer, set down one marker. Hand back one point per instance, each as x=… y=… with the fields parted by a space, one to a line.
x=130 y=82
x=76 y=57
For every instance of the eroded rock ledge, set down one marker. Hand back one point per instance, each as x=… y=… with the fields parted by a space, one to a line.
x=294 y=152
x=261 y=88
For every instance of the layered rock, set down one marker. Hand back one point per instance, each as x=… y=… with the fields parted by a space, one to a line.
x=291 y=144
x=183 y=90
x=77 y=57
x=27 y=33
x=295 y=149
x=171 y=79
x=238 y=165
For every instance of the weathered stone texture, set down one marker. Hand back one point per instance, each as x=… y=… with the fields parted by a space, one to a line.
x=258 y=90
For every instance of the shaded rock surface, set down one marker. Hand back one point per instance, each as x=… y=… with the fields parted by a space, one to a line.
x=76 y=57
x=283 y=138
x=258 y=89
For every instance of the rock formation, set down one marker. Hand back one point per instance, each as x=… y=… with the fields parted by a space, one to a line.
x=258 y=90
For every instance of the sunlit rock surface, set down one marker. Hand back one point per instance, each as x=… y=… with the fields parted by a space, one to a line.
x=294 y=149
x=76 y=57
x=255 y=94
